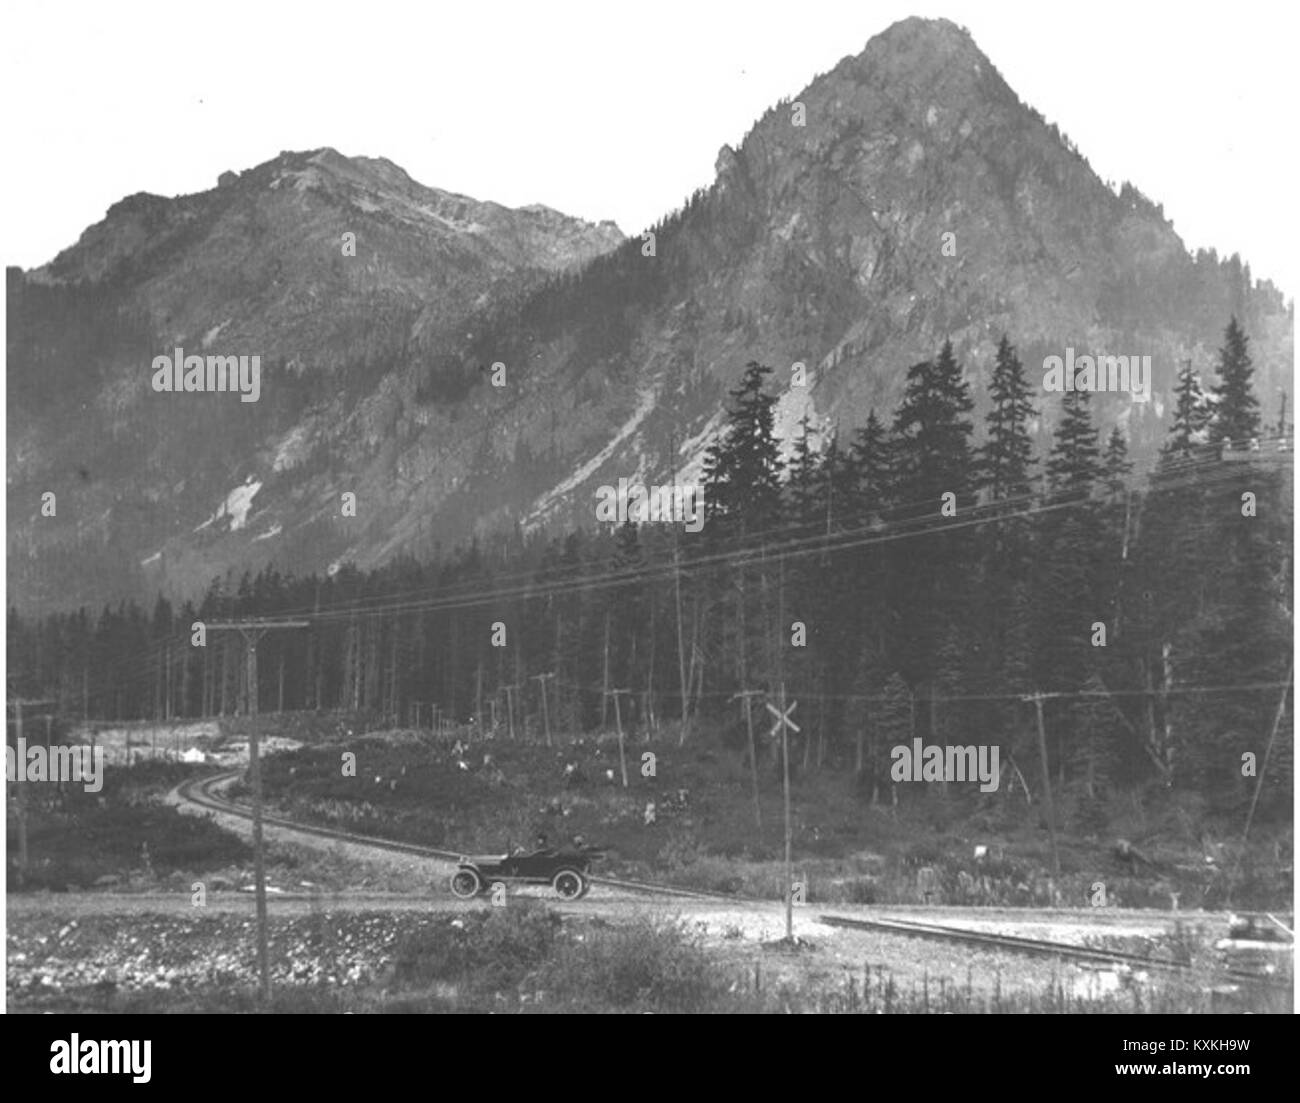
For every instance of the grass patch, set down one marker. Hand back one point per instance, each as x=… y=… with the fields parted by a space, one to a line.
x=122 y=833
x=647 y=964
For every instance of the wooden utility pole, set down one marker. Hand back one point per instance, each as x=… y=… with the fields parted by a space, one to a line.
x=542 y=679
x=22 y=796
x=1259 y=782
x=252 y=631
x=681 y=649
x=1048 y=804
x=684 y=681
x=604 y=681
x=510 y=708
x=478 y=699
x=745 y=695
x=20 y=787
x=618 y=719
x=783 y=726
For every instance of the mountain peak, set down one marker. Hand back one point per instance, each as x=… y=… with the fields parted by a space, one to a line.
x=922 y=57
x=905 y=198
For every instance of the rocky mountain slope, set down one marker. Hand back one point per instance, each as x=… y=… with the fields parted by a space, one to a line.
x=148 y=485
x=822 y=241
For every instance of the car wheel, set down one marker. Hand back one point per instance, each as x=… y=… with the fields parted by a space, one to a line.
x=466 y=883
x=569 y=884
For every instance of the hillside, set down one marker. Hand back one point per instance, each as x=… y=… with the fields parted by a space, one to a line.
x=819 y=243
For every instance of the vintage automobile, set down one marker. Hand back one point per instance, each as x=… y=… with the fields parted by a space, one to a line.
x=564 y=868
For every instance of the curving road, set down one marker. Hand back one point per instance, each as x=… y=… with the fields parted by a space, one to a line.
x=1014 y=931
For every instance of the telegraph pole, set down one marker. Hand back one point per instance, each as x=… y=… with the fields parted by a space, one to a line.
x=745 y=695
x=252 y=631
x=1050 y=808
x=510 y=708
x=783 y=726
x=20 y=786
x=22 y=796
x=618 y=719
x=1259 y=782
x=542 y=679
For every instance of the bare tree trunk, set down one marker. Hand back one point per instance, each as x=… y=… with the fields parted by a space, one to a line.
x=185 y=683
x=478 y=698
x=604 y=685
x=354 y=642
x=520 y=683
x=374 y=668
x=225 y=676
x=821 y=724
x=318 y=673
x=453 y=667
x=699 y=686
x=938 y=738
x=393 y=709
x=681 y=652
x=648 y=710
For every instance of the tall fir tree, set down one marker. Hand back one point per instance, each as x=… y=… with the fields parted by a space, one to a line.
x=1193 y=412
x=1237 y=417
x=933 y=454
x=1075 y=563
x=742 y=469
x=934 y=481
x=742 y=493
x=1007 y=456
x=1074 y=466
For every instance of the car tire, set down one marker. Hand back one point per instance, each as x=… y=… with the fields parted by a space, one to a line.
x=569 y=884
x=466 y=883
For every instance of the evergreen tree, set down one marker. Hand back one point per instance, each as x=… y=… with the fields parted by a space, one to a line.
x=1092 y=753
x=1075 y=563
x=627 y=607
x=742 y=469
x=892 y=726
x=1192 y=415
x=932 y=458
x=1074 y=465
x=742 y=492
x=806 y=487
x=1006 y=465
x=1116 y=466
x=933 y=451
x=1237 y=416
x=1007 y=457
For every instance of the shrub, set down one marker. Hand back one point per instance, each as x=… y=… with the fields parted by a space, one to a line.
x=490 y=950
x=646 y=965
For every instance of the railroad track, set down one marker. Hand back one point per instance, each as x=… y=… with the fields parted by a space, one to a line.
x=1033 y=946
x=200 y=792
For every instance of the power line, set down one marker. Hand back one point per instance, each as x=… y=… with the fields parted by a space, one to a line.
x=1176 y=474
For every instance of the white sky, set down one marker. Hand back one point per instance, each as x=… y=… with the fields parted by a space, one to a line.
x=611 y=110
